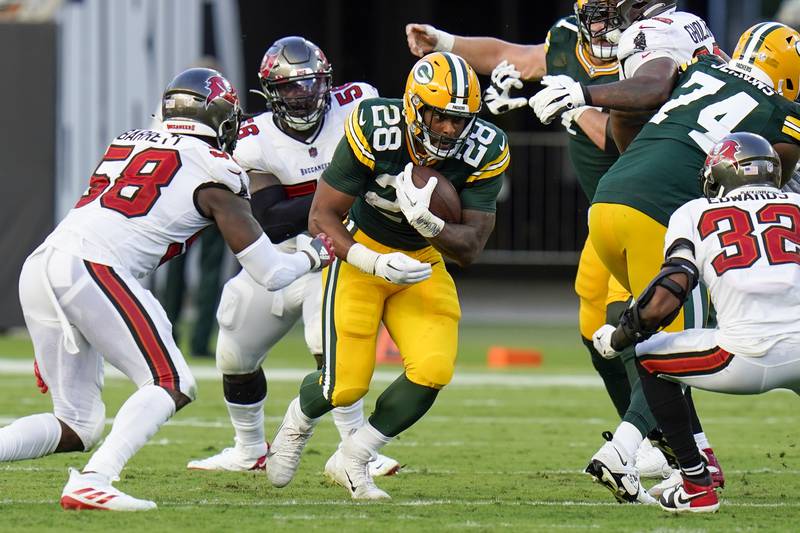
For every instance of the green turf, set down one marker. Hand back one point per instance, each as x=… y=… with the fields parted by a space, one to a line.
x=484 y=459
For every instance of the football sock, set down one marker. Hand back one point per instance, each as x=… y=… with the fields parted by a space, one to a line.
x=628 y=438
x=672 y=412
x=137 y=420
x=312 y=401
x=370 y=438
x=612 y=372
x=401 y=405
x=638 y=412
x=30 y=437
x=348 y=419
x=697 y=427
x=248 y=423
x=702 y=441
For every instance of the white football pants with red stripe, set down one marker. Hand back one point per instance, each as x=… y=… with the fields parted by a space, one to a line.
x=79 y=313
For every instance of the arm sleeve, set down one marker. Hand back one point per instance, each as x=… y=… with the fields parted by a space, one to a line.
x=482 y=186
x=270 y=267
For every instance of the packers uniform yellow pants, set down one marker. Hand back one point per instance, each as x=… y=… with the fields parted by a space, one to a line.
x=631 y=245
x=421 y=318
x=596 y=288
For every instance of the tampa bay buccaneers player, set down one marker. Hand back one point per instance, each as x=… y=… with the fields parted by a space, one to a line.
x=151 y=194
x=284 y=150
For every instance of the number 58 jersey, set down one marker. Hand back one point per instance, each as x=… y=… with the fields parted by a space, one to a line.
x=140 y=207
x=746 y=246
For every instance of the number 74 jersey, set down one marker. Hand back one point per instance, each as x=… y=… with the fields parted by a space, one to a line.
x=139 y=209
x=746 y=246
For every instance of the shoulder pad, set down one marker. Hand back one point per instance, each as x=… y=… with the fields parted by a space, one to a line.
x=223 y=169
x=347 y=95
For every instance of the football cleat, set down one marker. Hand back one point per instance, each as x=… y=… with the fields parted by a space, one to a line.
x=287 y=447
x=675 y=478
x=611 y=468
x=349 y=467
x=651 y=462
x=93 y=492
x=690 y=497
x=717 y=477
x=383 y=466
x=230 y=460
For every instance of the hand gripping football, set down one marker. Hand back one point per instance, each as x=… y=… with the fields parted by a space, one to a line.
x=445 y=202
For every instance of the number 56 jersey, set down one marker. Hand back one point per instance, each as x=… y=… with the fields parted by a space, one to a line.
x=140 y=207
x=746 y=246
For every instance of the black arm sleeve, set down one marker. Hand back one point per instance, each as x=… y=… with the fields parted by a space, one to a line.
x=281 y=218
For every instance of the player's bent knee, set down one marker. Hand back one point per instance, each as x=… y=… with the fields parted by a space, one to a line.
x=435 y=371
x=349 y=396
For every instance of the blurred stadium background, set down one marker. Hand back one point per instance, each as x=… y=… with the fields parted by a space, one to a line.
x=78 y=72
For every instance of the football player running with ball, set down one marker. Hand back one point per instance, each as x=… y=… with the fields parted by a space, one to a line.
x=389 y=266
x=284 y=151
x=578 y=46
x=82 y=301
x=754 y=92
x=742 y=241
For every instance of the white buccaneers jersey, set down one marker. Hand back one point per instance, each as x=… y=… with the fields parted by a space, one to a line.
x=298 y=165
x=674 y=34
x=139 y=209
x=747 y=249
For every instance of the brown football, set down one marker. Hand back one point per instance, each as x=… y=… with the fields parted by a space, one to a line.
x=445 y=202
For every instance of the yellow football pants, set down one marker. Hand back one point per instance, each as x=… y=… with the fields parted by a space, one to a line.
x=596 y=288
x=631 y=245
x=421 y=318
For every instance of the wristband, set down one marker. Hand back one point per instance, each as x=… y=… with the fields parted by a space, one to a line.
x=362 y=258
x=444 y=41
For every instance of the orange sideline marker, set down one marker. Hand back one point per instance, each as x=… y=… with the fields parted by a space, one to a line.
x=503 y=356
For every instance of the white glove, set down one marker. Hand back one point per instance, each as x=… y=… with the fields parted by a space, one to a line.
x=602 y=341
x=394 y=267
x=560 y=94
x=414 y=204
x=569 y=118
x=504 y=78
x=397 y=267
x=319 y=250
x=424 y=38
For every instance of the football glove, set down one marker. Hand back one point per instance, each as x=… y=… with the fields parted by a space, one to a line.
x=319 y=250
x=602 y=341
x=504 y=77
x=414 y=203
x=398 y=268
x=569 y=118
x=560 y=94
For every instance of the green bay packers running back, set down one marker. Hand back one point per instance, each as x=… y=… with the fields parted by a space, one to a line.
x=390 y=266
x=754 y=92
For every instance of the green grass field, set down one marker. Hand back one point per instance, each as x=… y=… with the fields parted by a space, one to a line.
x=485 y=458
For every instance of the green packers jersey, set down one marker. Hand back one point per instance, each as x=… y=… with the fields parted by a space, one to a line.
x=375 y=149
x=564 y=55
x=659 y=171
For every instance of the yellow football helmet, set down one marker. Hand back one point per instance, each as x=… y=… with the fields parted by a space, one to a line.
x=599 y=42
x=770 y=52
x=448 y=86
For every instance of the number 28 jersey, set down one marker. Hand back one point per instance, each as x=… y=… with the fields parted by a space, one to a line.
x=139 y=210
x=375 y=149
x=746 y=246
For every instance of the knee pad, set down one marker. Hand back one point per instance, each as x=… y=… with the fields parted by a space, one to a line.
x=349 y=396
x=434 y=371
x=231 y=359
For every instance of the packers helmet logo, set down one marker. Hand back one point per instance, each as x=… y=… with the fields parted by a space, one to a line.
x=423 y=73
x=219 y=87
x=724 y=151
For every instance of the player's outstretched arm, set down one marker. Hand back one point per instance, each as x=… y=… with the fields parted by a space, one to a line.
x=649 y=87
x=482 y=53
x=256 y=253
x=280 y=217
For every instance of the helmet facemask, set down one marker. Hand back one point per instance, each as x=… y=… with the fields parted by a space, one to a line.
x=599 y=24
x=300 y=103
x=439 y=145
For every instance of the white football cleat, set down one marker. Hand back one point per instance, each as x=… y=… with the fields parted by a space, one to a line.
x=348 y=467
x=287 y=447
x=651 y=462
x=673 y=480
x=610 y=467
x=231 y=460
x=93 y=492
x=383 y=466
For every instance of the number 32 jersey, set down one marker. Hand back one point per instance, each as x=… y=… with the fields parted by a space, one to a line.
x=140 y=208
x=746 y=246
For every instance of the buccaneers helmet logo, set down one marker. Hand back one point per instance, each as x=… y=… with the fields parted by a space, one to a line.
x=219 y=87
x=724 y=151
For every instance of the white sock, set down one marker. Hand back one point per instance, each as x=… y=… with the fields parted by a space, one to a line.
x=370 y=438
x=628 y=438
x=137 y=420
x=348 y=419
x=30 y=437
x=248 y=422
x=702 y=441
x=303 y=422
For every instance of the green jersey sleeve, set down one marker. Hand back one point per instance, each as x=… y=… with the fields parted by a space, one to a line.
x=483 y=185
